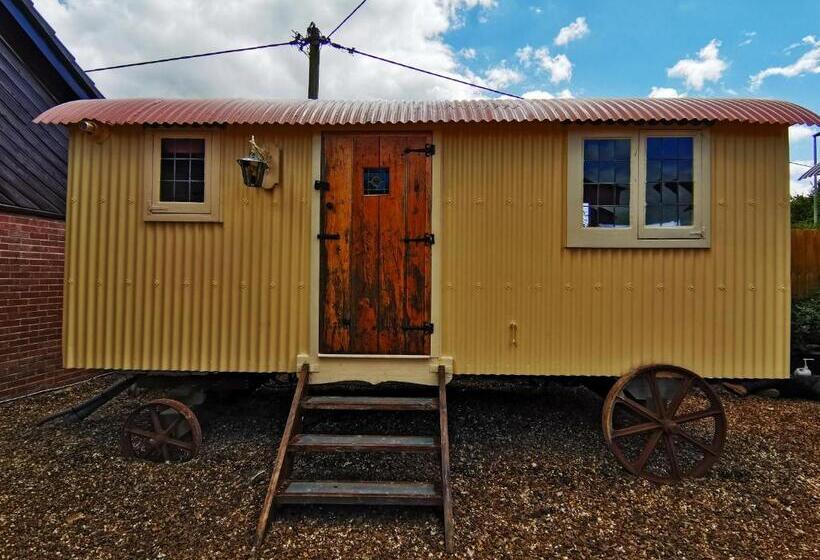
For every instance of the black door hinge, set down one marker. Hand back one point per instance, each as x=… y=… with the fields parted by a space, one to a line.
x=426 y=328
x=427 y=239
x=326 y=236
x=321 y=185
x=428 y=150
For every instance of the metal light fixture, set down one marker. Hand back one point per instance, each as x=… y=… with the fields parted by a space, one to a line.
x=254 y=165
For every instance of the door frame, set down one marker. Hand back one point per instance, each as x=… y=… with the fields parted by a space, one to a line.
x=375 y=367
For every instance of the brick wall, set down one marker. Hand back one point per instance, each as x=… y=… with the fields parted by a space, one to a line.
x=31 y=300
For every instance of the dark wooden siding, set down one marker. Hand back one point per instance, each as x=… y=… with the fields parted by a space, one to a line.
x=32 y=157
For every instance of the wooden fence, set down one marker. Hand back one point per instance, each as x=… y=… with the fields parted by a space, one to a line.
x=805 y=261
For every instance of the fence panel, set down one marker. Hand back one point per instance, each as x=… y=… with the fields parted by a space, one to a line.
x=805 y=261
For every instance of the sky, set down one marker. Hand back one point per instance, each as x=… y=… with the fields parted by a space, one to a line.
x=533 y=48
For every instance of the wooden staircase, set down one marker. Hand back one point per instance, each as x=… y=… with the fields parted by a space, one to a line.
x=282 y=490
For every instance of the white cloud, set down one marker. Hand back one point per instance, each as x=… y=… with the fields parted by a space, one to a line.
x=707 y=67
x=467 y=54
x=541 y=94
x=748 y=37
x=664 y=92
x=800 y=132
x=572 y=32
x=808 y=63
x=108 y=32
x=559 y=66
x=502 y=76
x=796 y=169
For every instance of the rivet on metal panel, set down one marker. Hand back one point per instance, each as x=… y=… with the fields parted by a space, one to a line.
x=131 y=200
x=214 y=283
x=659 y=286
x=783 y=203
x=450 y=201
x=70 y=281
x=721 y=202
x=129 y=282
x=101 y=201
x=508 y=202
x=752 y=287
x=514 y=333
x=597 y=286
x=156 y=282
x=186 y=283
x=73 y=200
x=781 y=288
x=568 y=286
x=300 y=285
x=243 y=285
x=538 y=285
x=508 y=286
x=477 y=285
x=721 y=287
x=272 y=285
x=245 y=201
x=539 y=202
x=478 y=200
x=450 y=285
x=751 y=202
x=629 y=286
x=99 y=282
x=691 y=287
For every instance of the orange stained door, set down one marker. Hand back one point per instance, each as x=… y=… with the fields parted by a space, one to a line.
x=376 y=244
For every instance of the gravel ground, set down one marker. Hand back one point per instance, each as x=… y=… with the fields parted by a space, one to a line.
x=532 y=478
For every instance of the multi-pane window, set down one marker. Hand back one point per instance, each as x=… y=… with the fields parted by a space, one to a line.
x=606 y=183
x=182 y=170
x=669 y=181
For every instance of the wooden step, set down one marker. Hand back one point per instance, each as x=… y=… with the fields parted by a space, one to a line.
x=332 y=443
x=370 y=493
x=369 y=403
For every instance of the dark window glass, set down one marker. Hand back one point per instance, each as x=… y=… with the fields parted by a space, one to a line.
x=606 y=183
x=182 y=170
x=376 y=180
x=669 y=187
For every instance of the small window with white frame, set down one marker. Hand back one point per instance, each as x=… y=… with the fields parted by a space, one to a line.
x=638 y=188
x=182 y=173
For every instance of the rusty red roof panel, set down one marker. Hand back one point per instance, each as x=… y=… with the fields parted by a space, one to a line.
x=327 y=112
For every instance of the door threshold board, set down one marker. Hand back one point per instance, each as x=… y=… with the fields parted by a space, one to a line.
x=377 y=356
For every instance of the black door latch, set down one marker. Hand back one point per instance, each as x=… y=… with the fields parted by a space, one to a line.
x=327 y=236
x=426 y=328
x=427 y=239
x=428 y=150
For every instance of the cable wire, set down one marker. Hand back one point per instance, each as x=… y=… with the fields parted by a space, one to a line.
x=335 y=29
x=352 y=50
x=189 y=56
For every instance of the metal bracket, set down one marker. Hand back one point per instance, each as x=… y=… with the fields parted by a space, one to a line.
x=328 y=236
x=427 y=239
x=428 y=150
x=426 y=328
x=321 y=185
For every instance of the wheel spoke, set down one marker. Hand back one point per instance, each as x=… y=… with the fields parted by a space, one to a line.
x=638 y=408
x=632 y=430
x=142 y=433
x=166 y=456
x=672 y=456
x=656 y=394
x=173 y=425
x=700 y=415
x=155 y=420
x=651 y=443
x=180 y=444
x=685 y=385
x=697 y=442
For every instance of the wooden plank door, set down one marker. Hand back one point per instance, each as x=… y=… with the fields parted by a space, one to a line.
x=375 y=277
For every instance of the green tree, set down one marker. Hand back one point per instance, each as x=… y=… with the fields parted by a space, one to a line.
x=802 y=212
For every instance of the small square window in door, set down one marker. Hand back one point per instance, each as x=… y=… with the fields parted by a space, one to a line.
x=376 y=180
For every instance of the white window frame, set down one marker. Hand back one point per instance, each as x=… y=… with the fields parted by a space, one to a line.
x=638 y=235
x=157 y=210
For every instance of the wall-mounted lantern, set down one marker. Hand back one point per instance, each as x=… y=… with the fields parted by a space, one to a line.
x=254 y=165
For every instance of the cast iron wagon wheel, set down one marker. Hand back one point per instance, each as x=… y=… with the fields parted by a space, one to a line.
x=162 y=430
x=664 y=423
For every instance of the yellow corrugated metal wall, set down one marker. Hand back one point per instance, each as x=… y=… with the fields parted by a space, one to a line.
x=186 y=296
x=234 y=296
x=722 y=311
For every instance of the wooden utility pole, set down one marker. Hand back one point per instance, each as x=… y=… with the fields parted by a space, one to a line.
x=314 y=44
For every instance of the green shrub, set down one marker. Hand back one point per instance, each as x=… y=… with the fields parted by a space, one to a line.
x=805 y=323
x=802 y=212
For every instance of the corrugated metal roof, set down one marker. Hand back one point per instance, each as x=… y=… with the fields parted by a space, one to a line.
x=811 y=172
x=322 y=112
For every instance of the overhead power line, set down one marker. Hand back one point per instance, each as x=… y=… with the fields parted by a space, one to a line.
x=199 y=55
x=356 y=9
x=354 y=51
